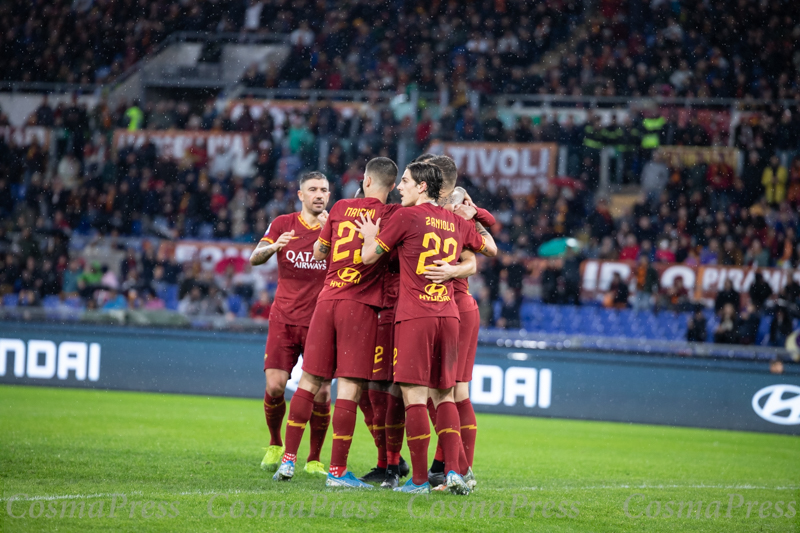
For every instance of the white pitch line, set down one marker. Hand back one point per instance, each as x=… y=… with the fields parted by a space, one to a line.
x=644 y=487
x=71 y=497
x=481 y=489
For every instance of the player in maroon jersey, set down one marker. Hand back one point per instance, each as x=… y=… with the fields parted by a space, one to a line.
x=458 y=200
x=426 y=321
x=300 y=279
x=341 y=341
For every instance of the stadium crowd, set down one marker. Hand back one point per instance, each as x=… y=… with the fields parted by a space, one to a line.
x=705 y=214
x=636 y=48
x=351 y=45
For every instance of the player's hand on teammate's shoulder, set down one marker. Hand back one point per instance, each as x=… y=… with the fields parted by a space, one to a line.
x=367 y=227
x=465 y=211
x=283 y=240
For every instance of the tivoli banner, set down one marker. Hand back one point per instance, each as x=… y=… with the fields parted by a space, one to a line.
x=519 y=166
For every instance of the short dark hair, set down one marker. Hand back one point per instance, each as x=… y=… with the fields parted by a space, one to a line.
x=430 y=175
x=382 y=169
x=448 y=168
x=424 y=158
x=315 y=175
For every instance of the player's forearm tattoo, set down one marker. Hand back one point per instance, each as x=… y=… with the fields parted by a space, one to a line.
x=481 y=230
x=378 y=250
x=262 y=254
x=324 y=248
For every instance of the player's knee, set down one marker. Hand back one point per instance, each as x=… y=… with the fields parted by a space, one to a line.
x=323 y=394
x=276 y=388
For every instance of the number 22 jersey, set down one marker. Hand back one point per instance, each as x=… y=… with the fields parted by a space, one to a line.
x=423 y=234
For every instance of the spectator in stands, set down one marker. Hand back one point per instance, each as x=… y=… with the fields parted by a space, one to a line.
x=780 y=328
x=664 y=254
x=726 y=330
x=759 y=292
x=676 y=298
x=618 y=293
x=774 y=181
x=731 y=254
x=115 y=301
x=646 y=284
x=756 y=255
x=261 y=308
x=728 y=295
x=192 y=303
x=748 y=325
x=631 y=249
x=696 y=331
x=509 y=310
x=485 y=306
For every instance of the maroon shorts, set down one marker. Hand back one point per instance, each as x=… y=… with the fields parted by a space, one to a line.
x=384 y=345
x=341 y=340
x=285 y=343
x=426 y=352
x=467 y=344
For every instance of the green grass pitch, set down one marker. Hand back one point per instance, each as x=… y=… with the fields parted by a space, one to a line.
x=174 y=461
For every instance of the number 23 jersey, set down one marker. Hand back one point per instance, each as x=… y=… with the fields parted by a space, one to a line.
x=424 y=233
x=348 y=278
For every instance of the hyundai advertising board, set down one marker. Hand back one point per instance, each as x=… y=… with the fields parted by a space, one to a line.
x=738 y=395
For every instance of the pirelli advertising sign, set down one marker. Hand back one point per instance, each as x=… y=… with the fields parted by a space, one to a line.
x=522 y=167
x=703 y=282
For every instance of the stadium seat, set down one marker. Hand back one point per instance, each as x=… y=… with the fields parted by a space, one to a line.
x=50 y=302
x=10 y=300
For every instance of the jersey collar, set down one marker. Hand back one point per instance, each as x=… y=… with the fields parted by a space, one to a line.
x=303 y=222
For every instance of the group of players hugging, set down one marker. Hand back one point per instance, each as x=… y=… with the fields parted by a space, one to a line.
x=376 y=296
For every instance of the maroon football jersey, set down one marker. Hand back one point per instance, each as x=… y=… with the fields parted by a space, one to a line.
x=391 y=288
x=464 y=299
x=300 y=278
x=423 y=234
x=348 y=278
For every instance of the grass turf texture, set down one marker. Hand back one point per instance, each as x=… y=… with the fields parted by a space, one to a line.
x=62 y=446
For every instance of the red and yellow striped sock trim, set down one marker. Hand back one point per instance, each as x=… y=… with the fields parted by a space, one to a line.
x=418 y=437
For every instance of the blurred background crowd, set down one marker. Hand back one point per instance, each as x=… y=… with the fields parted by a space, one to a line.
x=86 y=189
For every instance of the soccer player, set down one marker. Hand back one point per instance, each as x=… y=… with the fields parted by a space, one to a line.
x=426 y=322
x=458 y=200
x=341 y=340
x=300 y=280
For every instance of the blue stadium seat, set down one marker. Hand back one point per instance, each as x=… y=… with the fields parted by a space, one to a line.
x=171 y=297
x=236 y=305
x=50 y=302
x=10 y=300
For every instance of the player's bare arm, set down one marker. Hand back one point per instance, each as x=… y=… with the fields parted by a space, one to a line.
x=370 y=250
x=440 y=271
x=321 y=251
x=490 y=248
x=265 y=250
